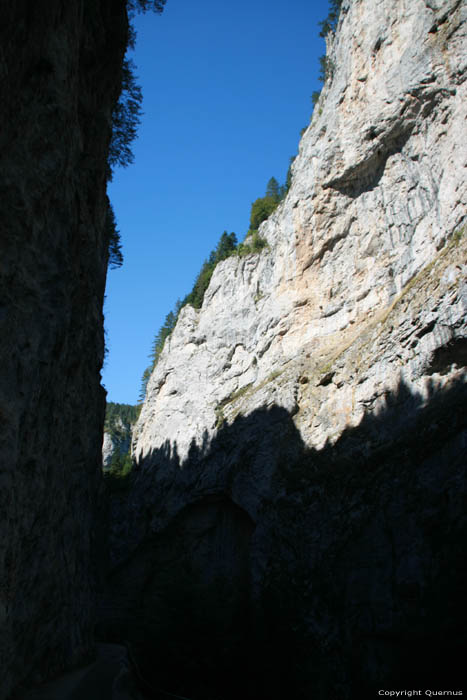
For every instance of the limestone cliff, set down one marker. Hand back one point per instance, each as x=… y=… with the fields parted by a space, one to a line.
x=303 y=434
x=378 y=191
x=60 y=67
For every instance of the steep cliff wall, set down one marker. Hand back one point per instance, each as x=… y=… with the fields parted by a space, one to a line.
x=378 y=190
x=60 y=66
x=318 y=392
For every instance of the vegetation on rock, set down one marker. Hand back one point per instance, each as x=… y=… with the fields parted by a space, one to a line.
x=126 y=119
x=119 y=420
x=113 y=238
x=117 y=476
x=330 y=23
x=326 y=67
x=118 y=414
x=261 y=208
x=227 y=246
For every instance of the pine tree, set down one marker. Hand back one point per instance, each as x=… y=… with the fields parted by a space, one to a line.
x=113 y=238
x=330 y=23
x=272 y=189
x=225 y=247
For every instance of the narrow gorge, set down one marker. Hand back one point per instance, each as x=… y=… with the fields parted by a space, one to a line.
x=294 y=523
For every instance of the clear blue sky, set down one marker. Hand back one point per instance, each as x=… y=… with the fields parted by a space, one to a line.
x=226 y=88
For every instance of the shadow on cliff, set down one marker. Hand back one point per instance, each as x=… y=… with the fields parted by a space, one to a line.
x=264 y=569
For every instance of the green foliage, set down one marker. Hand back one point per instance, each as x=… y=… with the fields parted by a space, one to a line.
x=120 y=465
x=145 y=5
x=117 y=414
x=117 y=477
x=227 y=246
x=326 y=69
x=261 y=209
x=273 y=190
x=315 y=98
x=157 y=347
x=119 y=418
x=126 y=118
x=196 y=296
x=144 y=383
x=164 y=332
x=330 y=23
x=288 y=179
x=326 y=66
x=458 y=235
x=253 y=243
x=113 y=238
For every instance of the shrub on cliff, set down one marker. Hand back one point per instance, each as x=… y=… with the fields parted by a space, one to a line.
x=253 y=243
x=330 y=23
x=261 y=209
x=226 y=247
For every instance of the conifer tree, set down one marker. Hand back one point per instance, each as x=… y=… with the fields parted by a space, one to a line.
x=113 y=238
x=330 y=23
x=272 y=189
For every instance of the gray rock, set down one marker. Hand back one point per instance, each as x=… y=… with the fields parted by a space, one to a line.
x=378 y=192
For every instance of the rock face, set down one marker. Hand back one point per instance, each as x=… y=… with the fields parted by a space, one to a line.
x=61 y=70
x=378 y=190
x=116 y=442
x=317 y=399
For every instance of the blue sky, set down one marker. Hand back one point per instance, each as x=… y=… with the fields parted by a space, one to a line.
x=226 y=90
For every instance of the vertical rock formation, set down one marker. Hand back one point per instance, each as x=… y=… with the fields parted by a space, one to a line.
x=60 y=68
x=319 y=395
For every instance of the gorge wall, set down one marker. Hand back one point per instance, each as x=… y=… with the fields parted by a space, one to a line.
x=60 y=67
x=301 y=451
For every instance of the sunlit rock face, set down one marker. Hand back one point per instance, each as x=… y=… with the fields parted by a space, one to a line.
x=320 y=387
x=378 y=191
x=60 y=69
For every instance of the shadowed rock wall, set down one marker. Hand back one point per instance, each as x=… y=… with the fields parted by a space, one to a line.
x=345 y=565
x=60 y=68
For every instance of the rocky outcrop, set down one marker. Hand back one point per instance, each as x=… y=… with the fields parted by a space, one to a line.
x=117 y=441
x=108 y=449
x=313 y=405
x=60 y=63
